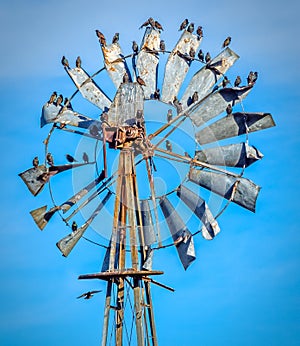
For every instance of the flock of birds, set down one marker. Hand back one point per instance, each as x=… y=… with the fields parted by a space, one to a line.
x=50 y=160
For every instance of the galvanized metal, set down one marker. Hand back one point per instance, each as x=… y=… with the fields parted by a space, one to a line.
x=234 y=125
x=217 y=103
x=198 y=206
x=232 y=155
x=88 y=88
x=208 y=75
x=129 y=100
x=177 y=66
x=147 y=61
x=182 y=237
x=240 y=190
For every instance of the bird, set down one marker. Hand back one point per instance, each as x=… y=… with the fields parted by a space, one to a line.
x=74 y=226
x=135 y=47
x=156 y=94
x=53 y=97
x=145 y=24
x=78 y=62
x=140 y=80
x=70 y=158
x=169 y=115
x=225 y=81
x=237 y=81
x=184 y=24
x=116 y=38
x=192 y=53
x=158 y=25
x=207 y=57
x=88 y=295
x=50 y=160
x=35 y=162
x=178 y=107
x=252 y=77
x=65 y=62
x=168 y=145
x=226 y=42
x=126 y=78
x=162 y=46
x=229 y=109
x=195 y=97
x=191 y=28
x=85 y=157
x=67 y=103
x=199 y=31
x=152 y=22
x=101 y=37
x=201 y=55
x=59 y=100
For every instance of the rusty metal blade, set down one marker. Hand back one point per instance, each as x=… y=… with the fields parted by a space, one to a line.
x=217 y=103
x=182 y=237
x=210 y=226
x=41 y=216
x=239 y=190
x=232 y=155
x=88 y=88
x=177 y=67
x=67 y=244
x=147 y=222
x=205 y=78
x=129 y=100
x=147 y=61
x=234 y=125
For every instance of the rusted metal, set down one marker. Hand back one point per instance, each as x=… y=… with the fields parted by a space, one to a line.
x=198 y=206
x=208 y=75
x=178 y=65
x=245 y=193
x=120 y=273
x=232 y=155
x=182 y=237
x=233 y=125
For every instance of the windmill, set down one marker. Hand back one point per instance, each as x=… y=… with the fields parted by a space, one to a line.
x=207 y=101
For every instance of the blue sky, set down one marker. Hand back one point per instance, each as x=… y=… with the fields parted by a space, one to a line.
x=243 y=289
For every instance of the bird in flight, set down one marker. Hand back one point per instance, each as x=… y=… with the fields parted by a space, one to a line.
x=88 y=295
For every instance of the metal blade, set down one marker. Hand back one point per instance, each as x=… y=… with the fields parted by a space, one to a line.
x=147 y=222
x=41 y=216
x=232 y=155
x=205 y=78
x=217 y=103
x=147 y=61
x=182 y=237
x=128 y=101
x=197 y=205
x=177 y=67
x=237 y=189
x=88 y=88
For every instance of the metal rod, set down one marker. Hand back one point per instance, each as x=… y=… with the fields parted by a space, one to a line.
x=106 y=313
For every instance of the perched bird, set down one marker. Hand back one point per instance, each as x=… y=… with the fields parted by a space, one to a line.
x=53 y=97
x=35 y=161
x=85 y=157
x=89 y=294
x=49 y=159
x=78 y=62
x=191 y=28
x=162 y=46
x=59 y=100
x=178 y=107
x=116 y=38
x=152 y=22
x=101 y=37
x=226 y=42
x=229 y=109
x=184 y=24
x=252 y=77
x=195 y=97
x=225 y=81
x=199 y=31
x=169 y=115
x=156 y=94
x=175 y=100
x=192 y=53
x=65 y=62
x=158 y=25
x=74 y=226
x=237 y=81
x=145 y=24
x=126 y=78
x=207 y=57
x=67 y=103
x=168 y=145
x=70 y=158
x=140 y=80
x=135 y=47
x=201 y=55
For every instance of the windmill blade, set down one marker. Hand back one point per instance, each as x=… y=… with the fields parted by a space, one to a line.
x=106 y=260
x=67 y=244
x=147 y=222
x=232 y=155
x=129 y=100
x=147 y=61
x=233 y=125
x=52 y=113
x=198 y=206
x=88 y=88
x=115 y=63
x=217 y=103
x=182 y=237
x=41 y=216
x=237 y=189
x=177 y=67
x=205 y=78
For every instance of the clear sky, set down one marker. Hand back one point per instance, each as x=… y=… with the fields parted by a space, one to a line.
x=243 y=289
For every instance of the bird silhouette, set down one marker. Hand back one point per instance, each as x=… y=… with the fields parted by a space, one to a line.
x=70 y=158
x=199 y=31
x=67 y=103
x=78 y=62
x=192 y=53
x=156 y=94
x=191 y=28
x=207 y=57
x=101 y=37
x=116 y=38
x=237 y=81
x=65 y=62
x=169 y=115
x=59 y=100
x=225 y=81
x=35 y=162
x=85 y=157
x=89 y=294
x=145 y=24
x=74 y=226
x=184 y=24
x=229 y=109
x=140 y=80
x=226 y=42
x=201 y=55
x=162 y=46
x=135 y=47
x=168 y=145
x=195 y=97
x=53 y=97
x=158 y=25
x=252 y=77
x=50 y=159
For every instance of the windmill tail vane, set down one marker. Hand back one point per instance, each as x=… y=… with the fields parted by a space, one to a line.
x=210 y=103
